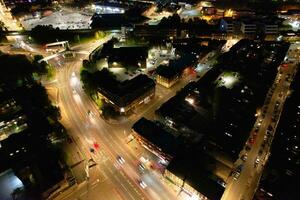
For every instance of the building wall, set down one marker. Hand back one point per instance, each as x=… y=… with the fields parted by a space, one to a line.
x=227 y=27
x=271 y=29
x=167 y=82
x=183 y=185
x=151 y=147
x=113 y=64
x=147 y=96
x=248 y=28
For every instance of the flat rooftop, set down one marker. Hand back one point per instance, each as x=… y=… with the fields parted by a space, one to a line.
x=123 y=93
x=154 y=133
x=199 y=172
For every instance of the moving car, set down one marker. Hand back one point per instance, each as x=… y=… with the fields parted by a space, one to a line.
x=120 y=159
x=142 y=184
x=236 y=175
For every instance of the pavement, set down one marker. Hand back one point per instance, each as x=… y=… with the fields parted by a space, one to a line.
x=247 y=182
x=111 y=139
x=103 y=142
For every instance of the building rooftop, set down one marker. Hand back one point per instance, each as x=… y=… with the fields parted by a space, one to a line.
x=127 y=54
x=157 y=135
x=199 y=172
x=176 y=67
x=123 y=93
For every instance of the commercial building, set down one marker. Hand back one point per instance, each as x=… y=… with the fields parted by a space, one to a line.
x=154 y=137
x=195 y=174
x=168 y=75
x=248 y=27
x=12 y=3
x=115 y=56
x=126 y=95
x=228 y=25
x=238 y=13
x=167 y=79
x=154 y=31
x=127 y=57
x=270 y=28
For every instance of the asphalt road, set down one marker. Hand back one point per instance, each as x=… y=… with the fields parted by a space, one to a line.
x=108 y=179
x=111 y=138
x=246 y=184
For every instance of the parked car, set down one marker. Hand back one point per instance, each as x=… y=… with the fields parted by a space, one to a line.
x=244 y=157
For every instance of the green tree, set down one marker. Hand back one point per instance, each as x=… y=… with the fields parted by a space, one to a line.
x=88 y=65
x=88 y=82
x=40 y=67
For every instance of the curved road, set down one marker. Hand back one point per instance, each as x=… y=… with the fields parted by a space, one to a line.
x=86 y=130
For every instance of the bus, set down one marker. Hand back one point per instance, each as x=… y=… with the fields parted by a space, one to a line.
x=57 y=46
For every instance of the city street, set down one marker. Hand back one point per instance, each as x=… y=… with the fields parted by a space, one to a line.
x=244 y=185
x=111 y=138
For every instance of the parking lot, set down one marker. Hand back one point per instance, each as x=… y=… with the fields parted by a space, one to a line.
x=62 y=19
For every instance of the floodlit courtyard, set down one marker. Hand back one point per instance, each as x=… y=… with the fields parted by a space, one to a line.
x=61 y=19
x=228 y=79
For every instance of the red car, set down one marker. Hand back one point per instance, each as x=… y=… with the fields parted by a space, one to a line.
x=251 y=140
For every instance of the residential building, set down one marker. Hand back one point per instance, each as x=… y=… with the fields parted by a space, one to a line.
x=12 y=120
